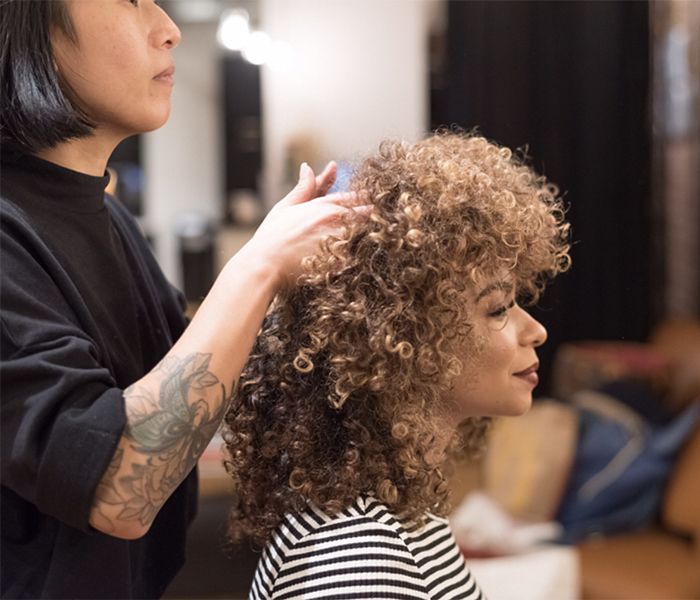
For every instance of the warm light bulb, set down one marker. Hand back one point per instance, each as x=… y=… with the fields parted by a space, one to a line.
x=282 y=56
x=233 y=32
x=257 y=48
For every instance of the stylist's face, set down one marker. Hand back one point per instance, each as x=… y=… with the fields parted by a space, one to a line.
x=118 y=69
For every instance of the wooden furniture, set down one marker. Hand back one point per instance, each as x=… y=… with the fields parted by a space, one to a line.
x=662 y=562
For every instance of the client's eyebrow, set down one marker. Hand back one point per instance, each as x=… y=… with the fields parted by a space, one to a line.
x=498 y=286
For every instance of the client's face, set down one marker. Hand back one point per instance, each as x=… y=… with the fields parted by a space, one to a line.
x=497 y=379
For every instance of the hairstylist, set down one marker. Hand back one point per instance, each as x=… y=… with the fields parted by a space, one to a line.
x=107 y=399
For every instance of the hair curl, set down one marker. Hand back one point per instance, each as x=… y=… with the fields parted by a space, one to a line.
x=338 y=397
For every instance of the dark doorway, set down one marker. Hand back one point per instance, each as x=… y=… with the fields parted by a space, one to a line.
x=569 y=81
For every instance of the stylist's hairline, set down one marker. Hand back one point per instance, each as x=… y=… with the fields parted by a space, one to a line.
x=62 y=20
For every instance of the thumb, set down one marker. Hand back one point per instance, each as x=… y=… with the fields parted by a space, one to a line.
x=305 y=189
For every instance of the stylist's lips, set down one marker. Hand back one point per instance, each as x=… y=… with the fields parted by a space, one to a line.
x=167 y=76
x=529 y=374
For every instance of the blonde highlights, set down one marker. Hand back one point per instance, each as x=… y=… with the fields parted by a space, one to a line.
x=340 y=393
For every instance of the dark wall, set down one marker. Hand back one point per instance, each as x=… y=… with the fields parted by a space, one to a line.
x=242 y=109
x=570 y=80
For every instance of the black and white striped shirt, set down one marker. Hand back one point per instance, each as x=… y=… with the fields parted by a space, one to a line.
x=362 y=552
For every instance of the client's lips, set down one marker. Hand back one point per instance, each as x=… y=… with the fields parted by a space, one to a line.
x=529 y=374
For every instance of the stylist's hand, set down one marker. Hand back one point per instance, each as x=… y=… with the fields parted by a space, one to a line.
x=296 y=225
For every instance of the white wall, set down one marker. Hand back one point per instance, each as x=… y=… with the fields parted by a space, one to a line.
x=182 y=160
x=360 y=76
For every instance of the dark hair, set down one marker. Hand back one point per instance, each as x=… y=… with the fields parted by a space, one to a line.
x=36 y=110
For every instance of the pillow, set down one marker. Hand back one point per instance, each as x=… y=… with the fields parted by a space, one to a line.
x=621 y=467
x=529 y=458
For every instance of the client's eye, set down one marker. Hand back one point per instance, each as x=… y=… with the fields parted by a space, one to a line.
x=502 y=311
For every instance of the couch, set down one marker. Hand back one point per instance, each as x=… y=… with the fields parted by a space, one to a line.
x=661 y=562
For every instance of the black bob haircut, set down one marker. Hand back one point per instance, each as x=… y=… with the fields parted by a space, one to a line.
x=36 y=110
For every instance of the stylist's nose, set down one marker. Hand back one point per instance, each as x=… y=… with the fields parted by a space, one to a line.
x=167 y=34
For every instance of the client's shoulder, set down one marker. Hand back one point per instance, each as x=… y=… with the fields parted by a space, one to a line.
x=356 y=550
x=362 y=520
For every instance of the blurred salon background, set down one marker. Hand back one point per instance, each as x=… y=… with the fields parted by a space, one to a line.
x=594 y=493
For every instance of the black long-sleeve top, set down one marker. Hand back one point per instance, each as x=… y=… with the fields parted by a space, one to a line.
x=85 y=311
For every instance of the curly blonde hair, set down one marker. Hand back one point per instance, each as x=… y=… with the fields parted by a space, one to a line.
x=339 y=395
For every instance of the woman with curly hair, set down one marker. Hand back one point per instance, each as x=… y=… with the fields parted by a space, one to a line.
x=405 y=335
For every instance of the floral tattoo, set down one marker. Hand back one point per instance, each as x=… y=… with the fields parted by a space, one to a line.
x=167 y=431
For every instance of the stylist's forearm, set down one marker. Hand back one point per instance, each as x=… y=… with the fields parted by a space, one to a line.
x=228 y=320
x=175 y=409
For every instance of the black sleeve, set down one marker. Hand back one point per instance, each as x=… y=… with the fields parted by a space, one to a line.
x=177 y=319
x=61 y=413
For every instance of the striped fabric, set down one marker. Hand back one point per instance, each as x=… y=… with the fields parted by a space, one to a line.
x=362 y=552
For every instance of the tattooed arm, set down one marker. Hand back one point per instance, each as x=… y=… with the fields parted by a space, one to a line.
x=173 y=411
x=165 y=434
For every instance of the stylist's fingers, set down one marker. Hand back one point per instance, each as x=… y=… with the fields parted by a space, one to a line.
x=304 y=190
x=336 y=214
x=326 y=179
x=347 y=199
x=362 y=209
x=339 y=212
